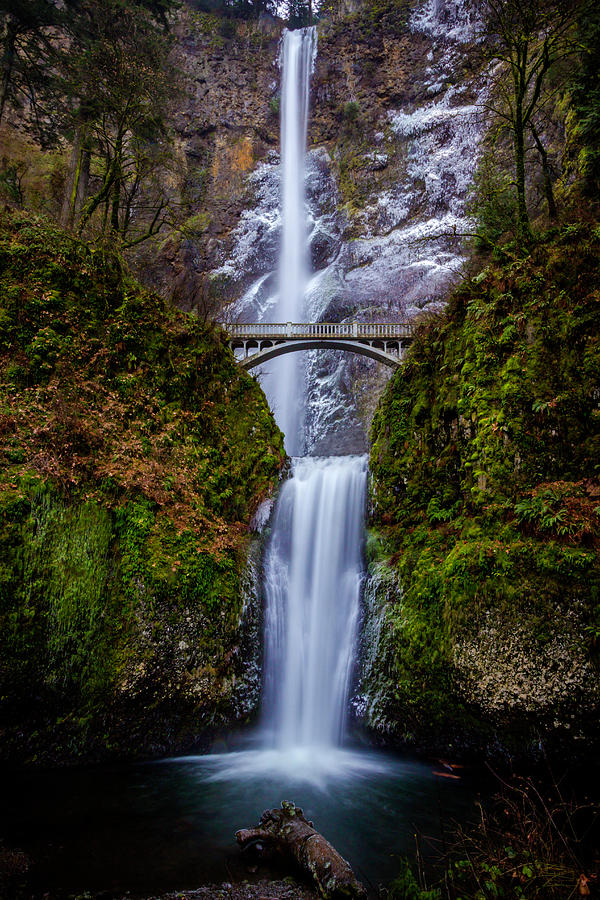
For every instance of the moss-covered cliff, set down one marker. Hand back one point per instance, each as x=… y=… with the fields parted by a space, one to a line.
x=486 y=510
x=134 y=453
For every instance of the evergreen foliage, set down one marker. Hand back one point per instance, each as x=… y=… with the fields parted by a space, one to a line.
x=586 y=98
x=98 y=72
x=28 y=52
x=118 y=83
x=243 y=9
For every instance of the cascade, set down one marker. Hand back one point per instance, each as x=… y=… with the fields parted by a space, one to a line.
x=312 y=585
x=403 y=261
x=297 y=59
x=313 y=564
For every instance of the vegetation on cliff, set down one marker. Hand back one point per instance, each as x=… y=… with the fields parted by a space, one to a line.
x=486 y=497
x=134 y=452
x=99 y=76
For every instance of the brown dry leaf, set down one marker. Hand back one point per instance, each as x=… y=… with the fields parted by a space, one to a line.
x=583 y=886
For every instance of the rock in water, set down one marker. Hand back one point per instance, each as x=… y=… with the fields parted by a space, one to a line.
x=286 y=832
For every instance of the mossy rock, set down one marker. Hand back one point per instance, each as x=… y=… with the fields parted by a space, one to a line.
x=135 y=452
x=486 y=495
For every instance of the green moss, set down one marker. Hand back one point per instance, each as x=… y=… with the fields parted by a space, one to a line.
x=486 y=468
x=134 y=452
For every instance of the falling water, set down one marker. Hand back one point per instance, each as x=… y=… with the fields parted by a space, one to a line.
x=286 y=388
x=313 y=563
x=298 y=53
x=312 y=584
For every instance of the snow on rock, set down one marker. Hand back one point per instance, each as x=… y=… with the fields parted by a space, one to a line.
x=257 y=235
x=406 y=247
x=452 y=19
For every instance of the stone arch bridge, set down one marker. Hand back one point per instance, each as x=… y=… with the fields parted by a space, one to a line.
x=261 y=342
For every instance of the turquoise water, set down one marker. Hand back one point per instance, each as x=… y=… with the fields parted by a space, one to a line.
x=170 y=825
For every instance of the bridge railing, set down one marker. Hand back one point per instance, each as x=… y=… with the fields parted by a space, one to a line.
x=288 y=330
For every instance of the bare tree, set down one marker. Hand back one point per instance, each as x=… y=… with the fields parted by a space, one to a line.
x=119 y=83
x=529 y=38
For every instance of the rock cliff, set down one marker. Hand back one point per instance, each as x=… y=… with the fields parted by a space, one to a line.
x=394 y=138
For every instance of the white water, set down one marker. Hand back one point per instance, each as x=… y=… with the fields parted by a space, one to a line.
x=313 y=565
x=285 y=388
x=313 y=572
x=298 y=51
x=402 y=261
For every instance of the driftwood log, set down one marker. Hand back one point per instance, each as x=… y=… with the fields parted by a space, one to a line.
x=286 y=833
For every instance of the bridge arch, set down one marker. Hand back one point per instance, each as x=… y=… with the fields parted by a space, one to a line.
x=266 y=352
x=382 y=341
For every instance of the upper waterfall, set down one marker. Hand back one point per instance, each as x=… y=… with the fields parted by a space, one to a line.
x=297 y=59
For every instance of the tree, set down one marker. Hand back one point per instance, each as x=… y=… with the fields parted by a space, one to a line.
x=99 y=72
x=27 y=48
x=528 y=37
x=119 y=81
x=586 y=98
x=242 y=9
x=299 y=13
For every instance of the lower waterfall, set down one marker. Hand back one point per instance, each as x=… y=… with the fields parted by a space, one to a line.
x=313 y=572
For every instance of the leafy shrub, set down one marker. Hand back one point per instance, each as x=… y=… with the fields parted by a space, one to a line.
x=532 y=843
x=351 y=111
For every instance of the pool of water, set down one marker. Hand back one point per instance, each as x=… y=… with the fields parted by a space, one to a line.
x=170 y=825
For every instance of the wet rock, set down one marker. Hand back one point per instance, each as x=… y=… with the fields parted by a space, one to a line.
x=323 y=248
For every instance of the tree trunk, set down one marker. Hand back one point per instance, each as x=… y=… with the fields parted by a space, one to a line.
x=548 y=190
x=77 y=179
x=116 y=191
x=115 y=206
x=287 y=833
x=94 y=202
x=523 y=226
x=8 y=61
x=84 y=177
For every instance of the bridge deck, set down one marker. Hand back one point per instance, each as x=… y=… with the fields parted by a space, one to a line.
x=287 y=331
x=383 y=341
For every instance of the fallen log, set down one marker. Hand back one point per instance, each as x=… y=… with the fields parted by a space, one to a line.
x=287 y=833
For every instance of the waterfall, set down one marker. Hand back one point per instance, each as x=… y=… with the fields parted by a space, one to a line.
x=285 y=391
x=313 y=565
x=313 y=571
x=298 y=52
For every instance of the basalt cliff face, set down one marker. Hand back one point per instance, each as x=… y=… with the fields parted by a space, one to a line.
x=394 y=137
